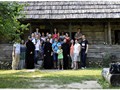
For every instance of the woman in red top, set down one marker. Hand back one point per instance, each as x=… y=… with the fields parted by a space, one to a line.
x=55 y=34
x=67 y=38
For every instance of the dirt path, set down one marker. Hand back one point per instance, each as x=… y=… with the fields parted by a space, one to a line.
x=48 y=84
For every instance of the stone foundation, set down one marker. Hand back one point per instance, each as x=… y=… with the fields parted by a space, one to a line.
x=5 y=56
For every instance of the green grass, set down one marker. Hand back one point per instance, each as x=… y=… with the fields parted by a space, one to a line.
x=23 y=78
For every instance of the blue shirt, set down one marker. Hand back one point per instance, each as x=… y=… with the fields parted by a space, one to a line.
x=55 y=46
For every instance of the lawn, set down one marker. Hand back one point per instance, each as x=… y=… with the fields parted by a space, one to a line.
x=25 y=78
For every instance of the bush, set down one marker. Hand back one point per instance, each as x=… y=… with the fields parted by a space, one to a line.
x=108 y=58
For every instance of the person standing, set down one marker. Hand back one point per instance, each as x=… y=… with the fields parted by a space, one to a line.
x=50 y=37
x=72 y=53
x=67 y=38
x=84 y=50
x=60 y=57
x=33 y=36
x=48 y=62
x=47 y=35
x=30 y=49
x=22 y=55
x=66 y=53
x=37 y=44
x=55 y=48
x=78 y=35
x=16 y=55
x=55 y=34
x=37 y=32
x=62 y=37
x=77 y=49
x=43 y=38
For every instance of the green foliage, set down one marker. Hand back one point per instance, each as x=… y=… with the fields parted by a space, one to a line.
x=95 y=63
x=107 y=59
x=10 y=26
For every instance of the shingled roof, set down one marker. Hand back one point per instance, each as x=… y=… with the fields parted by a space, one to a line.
x=72 y=9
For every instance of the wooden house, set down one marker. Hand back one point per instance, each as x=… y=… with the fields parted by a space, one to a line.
x=98 y=20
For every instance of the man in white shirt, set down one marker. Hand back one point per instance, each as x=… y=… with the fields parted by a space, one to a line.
x=16 y=55
x=37 y=44
x=37 y=32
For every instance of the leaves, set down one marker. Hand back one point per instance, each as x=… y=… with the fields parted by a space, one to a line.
x=10 y=26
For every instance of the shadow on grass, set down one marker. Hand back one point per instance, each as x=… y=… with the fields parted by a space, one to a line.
x=15 y=80
x=61 y=79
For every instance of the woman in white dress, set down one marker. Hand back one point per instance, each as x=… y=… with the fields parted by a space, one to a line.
x=77 y=49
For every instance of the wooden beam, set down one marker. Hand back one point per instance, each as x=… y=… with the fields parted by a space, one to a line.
x=70 y=29
x=51 y=26
x=105 y=34
x=109 y=33
x=30 y=29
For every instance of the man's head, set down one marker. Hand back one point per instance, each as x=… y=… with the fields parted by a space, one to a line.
x=43 y=34
x=72 y=41
x=66 y=34
x=48 y=40
x=22 y=41
x=29 y=38
x=83 y=37
x=56 y=40
x=78 y=30
x=47 y=34
x=76 y=41
x=37 y=30
x=55 y=30
x=33 y=35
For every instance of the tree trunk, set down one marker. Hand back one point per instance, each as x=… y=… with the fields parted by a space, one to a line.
x=112 y=79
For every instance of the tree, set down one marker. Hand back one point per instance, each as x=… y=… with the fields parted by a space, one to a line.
x=10 y=26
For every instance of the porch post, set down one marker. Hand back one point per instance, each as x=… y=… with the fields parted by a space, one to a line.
x=70 y=29
x=30 y=28
x=106 y=33
x=109 y=33
x=51 y=26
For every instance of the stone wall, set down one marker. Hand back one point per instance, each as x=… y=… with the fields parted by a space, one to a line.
x=5 y=56
x=102 y=55
x=98 y=55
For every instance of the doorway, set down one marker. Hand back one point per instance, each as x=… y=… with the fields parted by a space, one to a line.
x=73 y=35
x=117 y=37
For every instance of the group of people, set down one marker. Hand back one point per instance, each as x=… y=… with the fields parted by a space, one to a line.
x=57 y=51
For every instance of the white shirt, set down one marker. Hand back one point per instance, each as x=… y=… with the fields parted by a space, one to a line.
x=77 y=48
x=43 y=38
x=37 y=44
x=51 y=40
x=17 y=48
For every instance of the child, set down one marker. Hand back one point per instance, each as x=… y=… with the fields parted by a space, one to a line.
x=60 y=57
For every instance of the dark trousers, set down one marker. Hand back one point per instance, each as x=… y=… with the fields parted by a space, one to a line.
x=83 y=58
x=65 y=61
x=55 y=59
x=36 y=56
